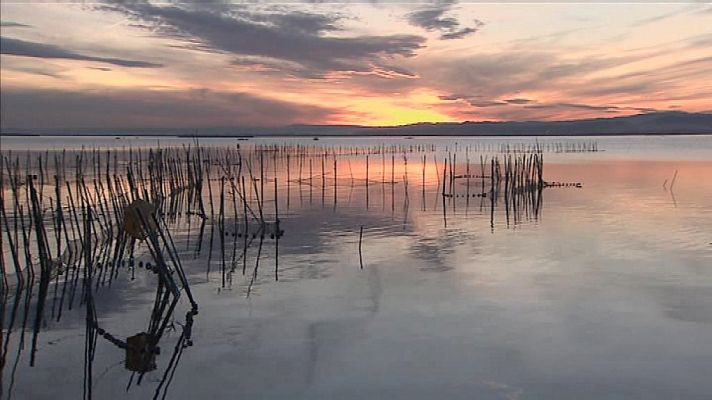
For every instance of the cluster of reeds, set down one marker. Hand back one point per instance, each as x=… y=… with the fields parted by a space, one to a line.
x=569 y=146
x=73 y=221
x=297 y=149
x=517 y=179
x=66 y=225
x=510 y=146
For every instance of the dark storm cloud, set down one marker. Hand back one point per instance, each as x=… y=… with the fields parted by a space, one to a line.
x=17 y=47
x=433 y=18
x=135 y=109
x=294 y=37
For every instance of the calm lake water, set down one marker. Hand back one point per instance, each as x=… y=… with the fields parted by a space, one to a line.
x=599 y=292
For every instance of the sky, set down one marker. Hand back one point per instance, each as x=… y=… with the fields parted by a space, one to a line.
x=148 y=65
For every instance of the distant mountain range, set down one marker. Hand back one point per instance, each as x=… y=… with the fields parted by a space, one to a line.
x=657 y=123
x=651 y=123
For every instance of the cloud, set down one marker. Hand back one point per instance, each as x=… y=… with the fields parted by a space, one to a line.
x=590 y=107
x=575 y=105
x=480 y=101
x=36 y=71
x=665 y=81
x=10 y=24
x=503 y=75
x=519 y=101
x=459 y=34
x=690 y=8
x=301 y=22
x=298 y=38
x=452 y=97
x=486 y=103
x=702 y=41
x=141 y=108
x=21 y=48
x=432 y=18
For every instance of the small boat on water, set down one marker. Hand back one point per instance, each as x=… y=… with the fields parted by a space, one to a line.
x=316 y=138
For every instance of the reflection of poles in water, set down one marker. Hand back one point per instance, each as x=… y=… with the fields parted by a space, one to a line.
x=262 y=176
x=301 y=162
x=13 y=244
x=437 y=176
x=276 y=233
x=234 y=221
x=289 y=178
x=90 y=326
x=467 y=171
x=160 y=180
x=244 y=212
x=406 y=199
x=183 y=342
x=311 y=185
x=21 y=345
x=517 y=181
x=493 y=194
x=360 y=253
x=3 y=276
x=423 y=185
x=383 y=180
x=5 y=340
x=443 y=195
x=44 y=258
x=393 y=183
x=221 y=229
x=257 y=262
x=142 y=348
x=672 y=184
x=366 y=182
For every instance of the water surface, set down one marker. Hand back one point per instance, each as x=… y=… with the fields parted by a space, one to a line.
x=605 y=291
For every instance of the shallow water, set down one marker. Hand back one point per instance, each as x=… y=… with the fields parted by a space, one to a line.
x=604 y=292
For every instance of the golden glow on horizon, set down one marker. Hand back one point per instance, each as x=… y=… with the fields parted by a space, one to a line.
x=390 y=111
x=382 y=112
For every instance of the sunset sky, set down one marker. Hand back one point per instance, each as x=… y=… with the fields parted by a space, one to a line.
x=164 y=65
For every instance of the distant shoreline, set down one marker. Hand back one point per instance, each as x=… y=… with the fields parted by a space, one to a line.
x=650 y=124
